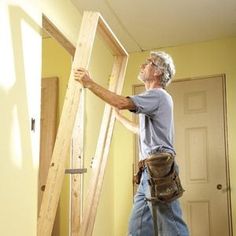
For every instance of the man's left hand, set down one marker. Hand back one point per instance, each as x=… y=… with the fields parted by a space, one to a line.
x=82 y=76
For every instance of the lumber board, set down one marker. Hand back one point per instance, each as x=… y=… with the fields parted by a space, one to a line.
x=63 y=139
x=110 y=38
x=91 y=22
x=102 y=150
x=77 y=162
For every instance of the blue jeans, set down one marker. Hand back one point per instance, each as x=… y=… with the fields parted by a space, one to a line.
x=168 y=215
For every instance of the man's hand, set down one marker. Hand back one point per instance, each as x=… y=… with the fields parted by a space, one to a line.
x=115 y=100
x=130 y=125
x=82 y=76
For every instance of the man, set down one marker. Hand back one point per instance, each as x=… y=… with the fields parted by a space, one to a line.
x=156 y=210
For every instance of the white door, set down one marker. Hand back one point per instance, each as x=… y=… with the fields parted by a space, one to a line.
x=201 y=154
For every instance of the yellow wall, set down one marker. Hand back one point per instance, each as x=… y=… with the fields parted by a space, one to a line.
x=56 y=61
x=20 y=60
x=193 y=60
x=20 y=91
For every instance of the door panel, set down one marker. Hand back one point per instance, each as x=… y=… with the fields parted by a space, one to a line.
x=201 y=154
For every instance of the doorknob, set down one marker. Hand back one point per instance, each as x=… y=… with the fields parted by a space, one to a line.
x=219 y=186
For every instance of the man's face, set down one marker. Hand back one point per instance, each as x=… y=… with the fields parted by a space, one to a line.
x=148 y=70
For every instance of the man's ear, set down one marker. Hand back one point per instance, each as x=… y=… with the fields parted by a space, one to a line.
x=157 y=72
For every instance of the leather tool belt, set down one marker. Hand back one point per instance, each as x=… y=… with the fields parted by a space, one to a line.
x=164 y=181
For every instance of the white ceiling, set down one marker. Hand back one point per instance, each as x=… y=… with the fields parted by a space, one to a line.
x=148 y=24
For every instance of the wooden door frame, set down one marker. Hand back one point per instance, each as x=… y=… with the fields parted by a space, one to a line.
x=91 y=23
x=227 y=169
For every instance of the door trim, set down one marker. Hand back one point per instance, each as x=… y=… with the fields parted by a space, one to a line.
x=55 y=33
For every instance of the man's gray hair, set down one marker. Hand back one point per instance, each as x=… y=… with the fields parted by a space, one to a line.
x=165 y=63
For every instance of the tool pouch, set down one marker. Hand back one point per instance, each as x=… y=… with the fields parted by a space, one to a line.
x=164 y=180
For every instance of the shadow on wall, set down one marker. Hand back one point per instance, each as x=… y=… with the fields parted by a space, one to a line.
x=16 y=146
